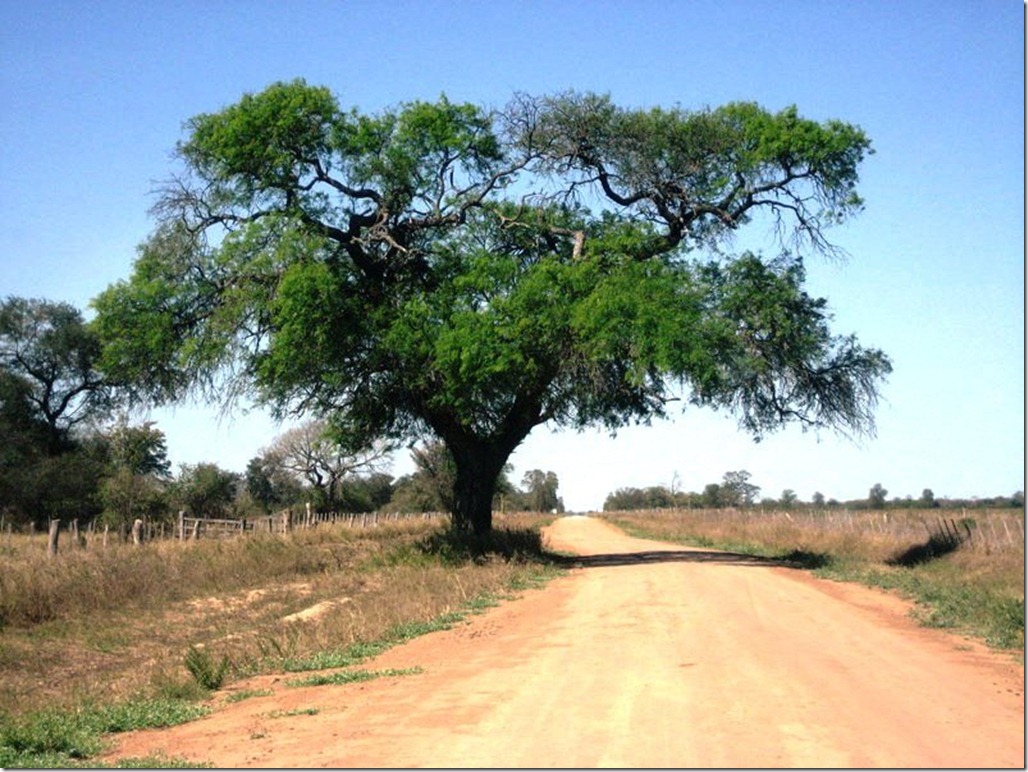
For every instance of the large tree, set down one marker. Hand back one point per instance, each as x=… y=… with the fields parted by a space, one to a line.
x=442 y=270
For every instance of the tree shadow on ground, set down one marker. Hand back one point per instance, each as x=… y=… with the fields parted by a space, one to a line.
x=794 y=559
x=525 y=544
x=936 y=546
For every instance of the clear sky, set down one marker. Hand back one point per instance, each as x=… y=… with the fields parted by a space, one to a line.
x=93 y=96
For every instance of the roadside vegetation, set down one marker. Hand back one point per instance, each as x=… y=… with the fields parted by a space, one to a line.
x=127 y=637
x=963 y=570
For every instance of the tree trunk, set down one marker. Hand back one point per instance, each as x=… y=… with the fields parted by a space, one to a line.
x=478 y=469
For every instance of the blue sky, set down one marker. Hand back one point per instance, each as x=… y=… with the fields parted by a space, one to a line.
x=93 y=97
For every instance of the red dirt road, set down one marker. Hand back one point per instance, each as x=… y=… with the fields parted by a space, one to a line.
x=650 y=655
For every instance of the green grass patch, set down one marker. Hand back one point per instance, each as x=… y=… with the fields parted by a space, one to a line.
x=351 y=676
x=537 y=577
x=335 y=658
x=55 y=738
x=159 y=761
x=246 y=694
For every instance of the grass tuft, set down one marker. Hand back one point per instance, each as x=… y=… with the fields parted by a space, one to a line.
x=208 y=673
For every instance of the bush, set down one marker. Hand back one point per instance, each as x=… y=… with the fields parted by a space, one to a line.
x=208 y=674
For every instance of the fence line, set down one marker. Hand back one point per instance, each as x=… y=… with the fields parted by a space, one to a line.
x=186 y=527
x=286 y=521
x=979 y=529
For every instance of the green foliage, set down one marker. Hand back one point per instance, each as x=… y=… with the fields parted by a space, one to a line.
x=204 y=489
x=246 y=694
x=52 y=734
x=136 y=485
x=735 y=489
x=876 y=496
x=53 y=353
x=206 y=671
x=49 y=388
x=142 y=449
x=336 y=658
x=351 y=677
x=540 y=492
x=62 y=738
x=379 y=270
x=628 y=499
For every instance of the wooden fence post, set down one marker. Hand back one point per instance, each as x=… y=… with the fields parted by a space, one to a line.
x=55 y=527
x=137 y=531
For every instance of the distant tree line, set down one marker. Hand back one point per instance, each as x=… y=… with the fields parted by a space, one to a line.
x=736 y=491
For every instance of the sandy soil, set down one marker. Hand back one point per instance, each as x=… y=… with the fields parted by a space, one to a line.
x=649 y=655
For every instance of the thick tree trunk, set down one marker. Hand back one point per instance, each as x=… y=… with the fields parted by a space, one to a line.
x=478 y=469
x=479 y=460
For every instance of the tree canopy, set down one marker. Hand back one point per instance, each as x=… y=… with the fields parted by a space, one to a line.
x=48 y=374
x=444 y=270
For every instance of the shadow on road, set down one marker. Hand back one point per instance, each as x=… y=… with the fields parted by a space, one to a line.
x=670 y=556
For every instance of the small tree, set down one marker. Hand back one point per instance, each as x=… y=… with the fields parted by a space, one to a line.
x=876 y=496
x=311 y=453
x=142 y=449
x=736 y=490
x=712 y=496
x=136 y=485
x=539 y=491
x=927 y=499
x=205 y=489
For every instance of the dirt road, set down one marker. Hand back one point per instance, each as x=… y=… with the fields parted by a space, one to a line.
x=648 y=656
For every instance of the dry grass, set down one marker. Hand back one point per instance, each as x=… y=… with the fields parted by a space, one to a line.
x=876 y=535
x=116 y=623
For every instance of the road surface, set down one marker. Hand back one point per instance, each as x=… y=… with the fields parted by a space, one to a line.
x=649 y=655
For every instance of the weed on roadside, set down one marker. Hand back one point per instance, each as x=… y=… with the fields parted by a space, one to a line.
x=246 y=694
x=351 y=676
x=291 y=713
x=206 y=671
